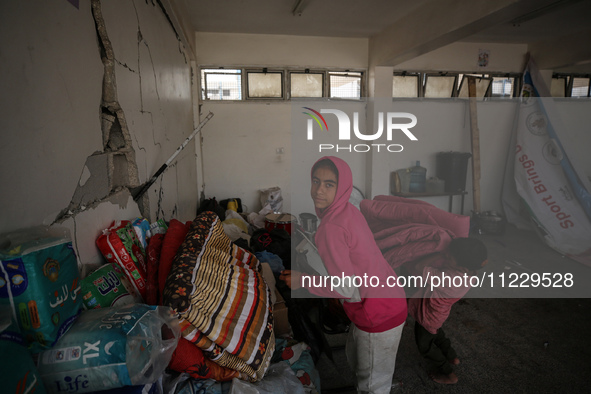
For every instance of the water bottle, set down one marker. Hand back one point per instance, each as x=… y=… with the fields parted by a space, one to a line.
x=418 y=176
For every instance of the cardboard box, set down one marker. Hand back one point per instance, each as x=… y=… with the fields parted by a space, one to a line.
x=282 y=326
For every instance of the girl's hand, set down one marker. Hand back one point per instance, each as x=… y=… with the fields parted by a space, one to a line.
x=293 y=279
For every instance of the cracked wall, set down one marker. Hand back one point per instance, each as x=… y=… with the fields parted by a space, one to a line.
x=95 y=100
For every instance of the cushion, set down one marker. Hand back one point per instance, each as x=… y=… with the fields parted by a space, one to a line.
x=173 y=239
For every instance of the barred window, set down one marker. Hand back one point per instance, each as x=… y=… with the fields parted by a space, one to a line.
x=345 y=84
x=221 y=84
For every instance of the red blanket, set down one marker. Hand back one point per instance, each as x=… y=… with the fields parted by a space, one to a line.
x=407 y=229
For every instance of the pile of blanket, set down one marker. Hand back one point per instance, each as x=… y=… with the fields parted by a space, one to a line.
x=406 y=229
x=218 y=290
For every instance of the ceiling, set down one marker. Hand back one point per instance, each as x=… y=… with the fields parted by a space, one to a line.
x=535 y=22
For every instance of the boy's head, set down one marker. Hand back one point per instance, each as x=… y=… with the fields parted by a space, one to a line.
x=469 y=252
x=325 y=180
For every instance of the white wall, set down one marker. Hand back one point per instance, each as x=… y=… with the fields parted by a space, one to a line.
x=463 y=56
x=50 y=117
x=270 y=50
x=444 y=125
x=247 y=134
x=240 y=142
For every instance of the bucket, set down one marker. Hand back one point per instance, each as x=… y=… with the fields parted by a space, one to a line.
x=309 y=222
x=282 y=221
x=452 y=167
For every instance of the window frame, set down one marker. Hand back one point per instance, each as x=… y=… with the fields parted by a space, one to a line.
x=246 y=91
x=212 y=71
x=441 y=74
x=570 y=77
x=305 y=71
x=419 y=77
x=361 y=77
x=424 y=75
x=285 y=82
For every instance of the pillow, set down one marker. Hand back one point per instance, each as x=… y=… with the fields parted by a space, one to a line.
x=189 y=359
x=174 y=237
x=153 y=255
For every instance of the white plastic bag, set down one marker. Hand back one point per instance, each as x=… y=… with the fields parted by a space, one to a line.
x=279 y=378
x=272 y=198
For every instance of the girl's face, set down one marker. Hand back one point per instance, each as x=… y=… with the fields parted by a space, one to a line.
x=324 y=187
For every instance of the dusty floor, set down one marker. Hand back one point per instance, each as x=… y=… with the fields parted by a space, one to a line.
x=507 y=343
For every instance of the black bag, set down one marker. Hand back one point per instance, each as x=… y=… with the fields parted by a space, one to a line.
x=212 y=205
x=276 y=241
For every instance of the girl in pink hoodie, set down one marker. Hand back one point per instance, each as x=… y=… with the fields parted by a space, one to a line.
x=374 y=304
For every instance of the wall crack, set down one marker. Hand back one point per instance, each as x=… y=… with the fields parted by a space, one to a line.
x=117 y=162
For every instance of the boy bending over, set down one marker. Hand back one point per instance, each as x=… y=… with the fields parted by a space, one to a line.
x=431 y=307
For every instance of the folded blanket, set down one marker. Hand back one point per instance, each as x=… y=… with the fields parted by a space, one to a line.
x=407 y=229
x=219 y=289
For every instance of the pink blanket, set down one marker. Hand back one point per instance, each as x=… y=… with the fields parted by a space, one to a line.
x=406 y=229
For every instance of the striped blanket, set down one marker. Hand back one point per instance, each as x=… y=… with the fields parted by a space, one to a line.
x=218 y=289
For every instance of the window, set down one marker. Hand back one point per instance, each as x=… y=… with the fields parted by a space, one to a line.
x=440 y=85
x=558 y=87
x=569 y=85
x=453 y=84
x=306 y=84
x=405 y=85
x=580 y=87
x=265 y=84
x=345 y=84
x=221 y=84
x=482 y=86
x=503 y=87
x=279 y=83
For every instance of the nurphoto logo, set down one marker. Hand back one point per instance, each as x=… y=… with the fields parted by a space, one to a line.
x=392 y=122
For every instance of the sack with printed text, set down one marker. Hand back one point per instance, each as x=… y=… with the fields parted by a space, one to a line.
x=39 y=280
x=108 y=286
x=111 y=347
x=120 y=245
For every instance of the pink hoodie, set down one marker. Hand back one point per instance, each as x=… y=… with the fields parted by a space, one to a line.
x=347 y=247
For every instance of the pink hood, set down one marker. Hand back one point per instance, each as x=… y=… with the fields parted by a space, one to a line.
x=347 y=247
x=344 y=188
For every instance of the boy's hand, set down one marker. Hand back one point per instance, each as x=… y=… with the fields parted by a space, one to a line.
x=293 y=279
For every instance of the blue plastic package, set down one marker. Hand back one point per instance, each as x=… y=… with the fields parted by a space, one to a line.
x=111 y=347
x=39 y=280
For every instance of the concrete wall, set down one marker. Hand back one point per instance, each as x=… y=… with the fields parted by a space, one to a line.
x=78 y=131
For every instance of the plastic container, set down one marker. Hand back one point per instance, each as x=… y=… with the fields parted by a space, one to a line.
x=309 y=222
x=452 y=167
x=418 y=177
x=402 y=184
x=435 y=185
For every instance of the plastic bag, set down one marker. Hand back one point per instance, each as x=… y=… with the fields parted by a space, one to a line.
x=272 y=198
x=279 y=379
x=111 y=347
x=19 y=372
x=120 y=245
x=108 y=286
x=39 y=279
